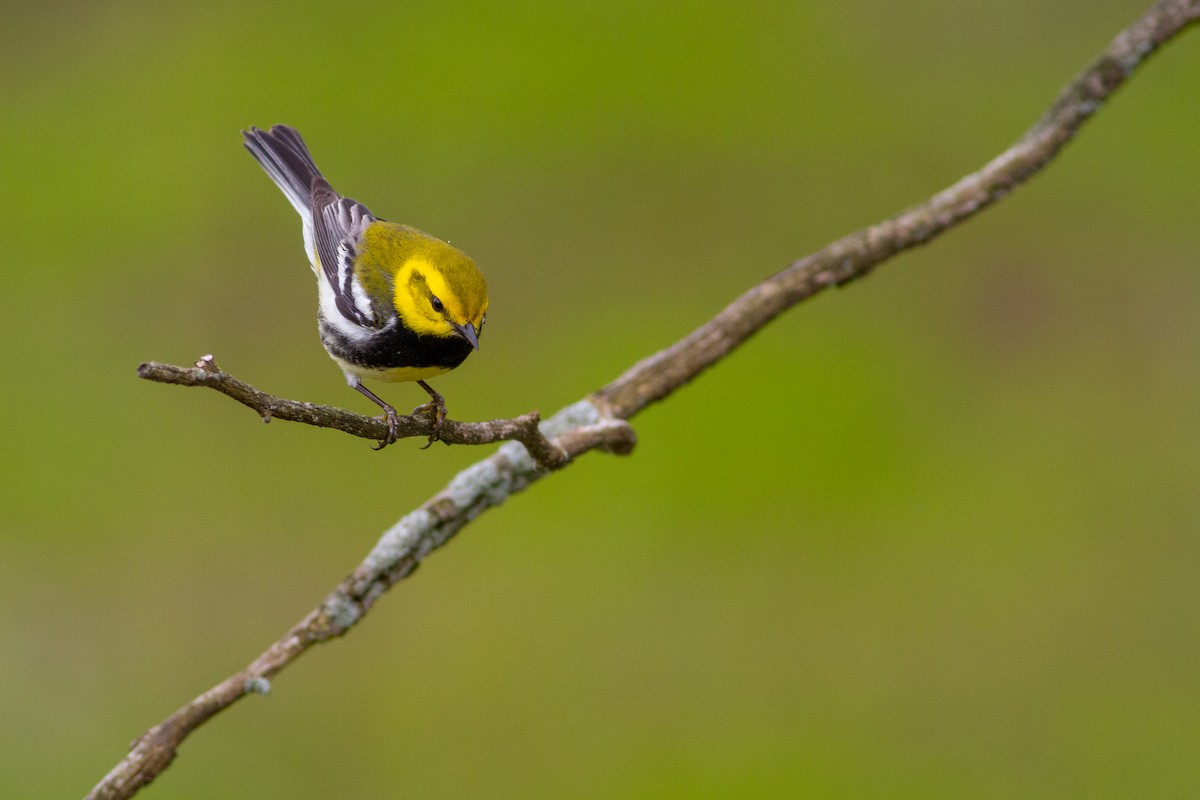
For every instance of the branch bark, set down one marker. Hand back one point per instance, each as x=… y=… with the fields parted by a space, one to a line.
x=523 y=429
x=597 y=422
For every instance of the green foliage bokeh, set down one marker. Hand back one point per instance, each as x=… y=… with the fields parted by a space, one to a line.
x=959 y=561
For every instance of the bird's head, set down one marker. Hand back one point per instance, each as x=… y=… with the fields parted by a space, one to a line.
x=440 y=292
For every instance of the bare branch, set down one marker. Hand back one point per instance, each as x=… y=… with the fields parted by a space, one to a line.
x=596 y=422
x=854 y=256
x=399 y=551
x=523 y=429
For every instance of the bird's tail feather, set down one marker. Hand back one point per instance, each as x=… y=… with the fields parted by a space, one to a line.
x=282 y=153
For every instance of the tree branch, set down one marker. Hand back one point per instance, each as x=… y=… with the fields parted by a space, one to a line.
x=597 y=421
x=854 y=256
x=523 y=429
x=574 y=431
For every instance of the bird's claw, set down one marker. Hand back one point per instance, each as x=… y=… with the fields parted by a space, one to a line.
x=393 y=423
x=438 y=406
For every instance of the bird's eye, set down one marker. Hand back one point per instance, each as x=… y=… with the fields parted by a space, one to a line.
x=437 y=304
x=482 y=321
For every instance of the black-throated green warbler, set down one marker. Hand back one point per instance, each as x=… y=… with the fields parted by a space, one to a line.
x=395 y=304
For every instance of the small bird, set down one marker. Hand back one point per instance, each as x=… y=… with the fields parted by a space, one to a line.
x=395 y=304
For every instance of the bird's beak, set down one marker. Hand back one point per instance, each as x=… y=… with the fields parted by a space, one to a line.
x=467 y=331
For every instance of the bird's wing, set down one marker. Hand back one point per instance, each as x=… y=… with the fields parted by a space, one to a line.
x=339 y=222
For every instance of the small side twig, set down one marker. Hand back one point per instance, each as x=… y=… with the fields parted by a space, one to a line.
x=523 y=429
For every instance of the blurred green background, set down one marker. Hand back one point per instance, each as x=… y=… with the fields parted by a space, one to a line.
x=963 y=564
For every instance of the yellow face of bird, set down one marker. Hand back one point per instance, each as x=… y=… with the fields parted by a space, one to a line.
x=435 y=288
x=440 y=292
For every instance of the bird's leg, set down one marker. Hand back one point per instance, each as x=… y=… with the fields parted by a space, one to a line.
x=393 y=422
x=439 y=408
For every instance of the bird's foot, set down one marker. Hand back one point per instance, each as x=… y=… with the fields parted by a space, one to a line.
x=436 y=407
x=393 y=423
